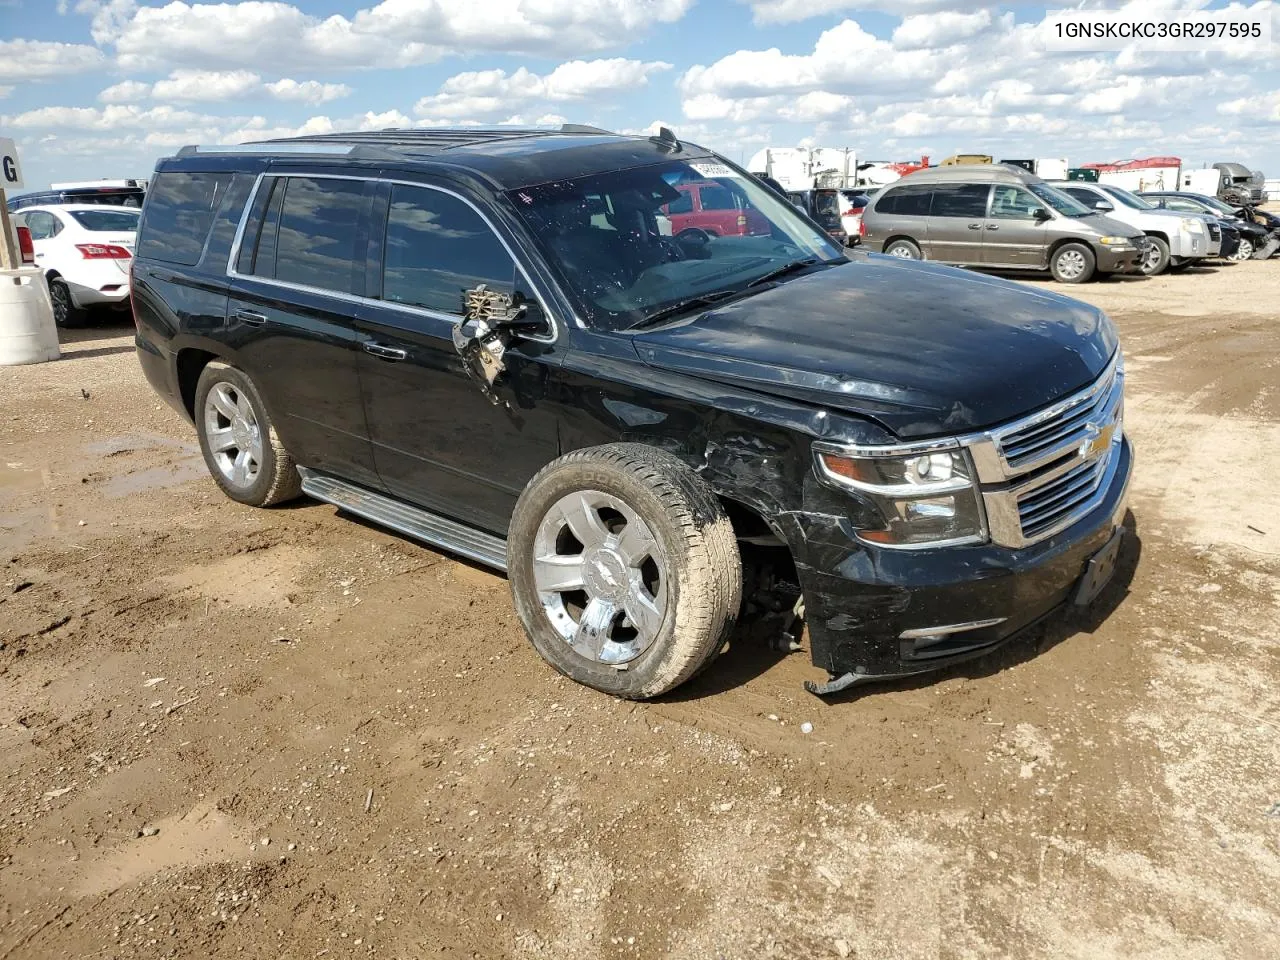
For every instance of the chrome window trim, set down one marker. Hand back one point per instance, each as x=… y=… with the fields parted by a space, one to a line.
x=234 y=255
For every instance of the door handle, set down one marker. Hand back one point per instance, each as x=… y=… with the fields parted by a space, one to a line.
x=993 y=226
x=251 y=317
x=384 y=352
x=975 y=226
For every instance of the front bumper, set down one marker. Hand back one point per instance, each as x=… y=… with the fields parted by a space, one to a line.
x=875 y=614
x=1119 y=259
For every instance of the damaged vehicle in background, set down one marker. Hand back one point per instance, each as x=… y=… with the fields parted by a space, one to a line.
x=481 y=339
x=1253 y=237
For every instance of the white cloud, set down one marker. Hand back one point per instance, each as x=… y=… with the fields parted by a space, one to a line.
x=210 y=86
x=307 y=91
x=390 y=34
x=43 y=59
x=491 y=92
x=110 y=117
x=126 y=91
x=787 y=11
x=931 y=30
x=1260 y=109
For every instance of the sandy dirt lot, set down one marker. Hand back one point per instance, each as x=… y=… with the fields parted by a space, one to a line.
x=228 y=732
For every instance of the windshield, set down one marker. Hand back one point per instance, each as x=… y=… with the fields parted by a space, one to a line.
x=1217 y=204
x=1064 y=204
x=106 y=221
x=636 y=242
x=1130 y=199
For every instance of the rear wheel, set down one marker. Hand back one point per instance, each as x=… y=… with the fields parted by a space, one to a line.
x=624 y=569
x=240 y=446
x=1156 y=260
x=694 y=235
x=904 y=249
x=1072 y=263
x=65 y=311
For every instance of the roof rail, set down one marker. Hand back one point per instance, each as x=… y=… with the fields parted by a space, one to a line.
x=332 y=149
x=583 y=128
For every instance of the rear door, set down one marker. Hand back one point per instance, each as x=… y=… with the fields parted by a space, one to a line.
x=956 y=220
x=298 y=276
x=1012 y=237
x=440 y=439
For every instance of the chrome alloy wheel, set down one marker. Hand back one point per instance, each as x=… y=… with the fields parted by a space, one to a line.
x=1071 y=264
x=600 y=576
x=234 y=436
x=1243 y=252
x=60 y=299
x=1150 y=259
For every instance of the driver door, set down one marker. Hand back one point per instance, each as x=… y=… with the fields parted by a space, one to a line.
x=439 y=438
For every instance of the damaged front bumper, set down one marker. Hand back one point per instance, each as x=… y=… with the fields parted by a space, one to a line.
x=877 y=614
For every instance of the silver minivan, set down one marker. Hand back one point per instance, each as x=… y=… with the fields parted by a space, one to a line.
x=999 y=216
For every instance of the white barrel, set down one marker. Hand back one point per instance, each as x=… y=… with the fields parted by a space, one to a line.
x=27 y=331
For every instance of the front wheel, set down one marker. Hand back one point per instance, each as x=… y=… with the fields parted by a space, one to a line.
x=1156 y=260
x=624 y=569
x=1243 y=252
x=1072 y=263
x=240 y=446
x=904 y=250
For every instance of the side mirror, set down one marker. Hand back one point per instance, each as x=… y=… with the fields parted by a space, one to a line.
x=1103 y=205
x=1041 y=214
x=525 y=315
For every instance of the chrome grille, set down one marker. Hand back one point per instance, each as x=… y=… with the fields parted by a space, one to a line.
x=1061 y=428
x=1041 y=510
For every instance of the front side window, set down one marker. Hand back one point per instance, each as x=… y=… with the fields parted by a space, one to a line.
x=1013 y=203
x=682 y=203
x=1185 y=206
x=313 y=233
x=438 y=247
x=960 y=200
x=1086 y=197
x=1129 y=199
x=717 y=198
x=1065 y=205
x=623 y=271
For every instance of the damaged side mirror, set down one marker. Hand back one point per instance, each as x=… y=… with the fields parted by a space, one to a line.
x=491 y=322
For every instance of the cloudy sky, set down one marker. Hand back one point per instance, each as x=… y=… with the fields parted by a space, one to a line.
x=101 y=88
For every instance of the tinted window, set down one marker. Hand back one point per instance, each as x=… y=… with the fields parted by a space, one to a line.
x=716 y=198
x=1087 y=197
x=912 y=201
x=960 y=200
x=826 y=203
x=42 y=225
x=318 y=234
x=106 y=221
x=437 y=248
x=178 y=215
x=1013 y=203
x=682 y=204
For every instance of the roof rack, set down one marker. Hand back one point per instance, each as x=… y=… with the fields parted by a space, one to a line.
x=331 y=149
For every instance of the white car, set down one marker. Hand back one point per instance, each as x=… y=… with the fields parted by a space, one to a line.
x=85 y=251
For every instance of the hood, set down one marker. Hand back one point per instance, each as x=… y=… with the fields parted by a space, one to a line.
x=1109 y=226
x=925 y=350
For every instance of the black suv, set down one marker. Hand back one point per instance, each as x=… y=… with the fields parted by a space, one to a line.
x=485 y=341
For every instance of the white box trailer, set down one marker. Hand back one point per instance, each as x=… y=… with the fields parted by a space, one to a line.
x=1151 y=173
x=803 y=168
x=1204 y=181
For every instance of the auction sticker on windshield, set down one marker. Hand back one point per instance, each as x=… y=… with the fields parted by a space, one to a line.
x=713 y=170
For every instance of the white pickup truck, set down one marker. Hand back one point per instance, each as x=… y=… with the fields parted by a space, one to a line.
x=1175 y=240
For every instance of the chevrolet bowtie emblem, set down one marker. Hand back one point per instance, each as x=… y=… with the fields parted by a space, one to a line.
x=1096 y=441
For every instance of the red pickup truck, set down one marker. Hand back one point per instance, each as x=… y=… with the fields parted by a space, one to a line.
x=712 y=209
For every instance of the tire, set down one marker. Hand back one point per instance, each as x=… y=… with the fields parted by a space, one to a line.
x=65 y=312
x=1243 y=252
x=694 y=235
x=653 y=545
x=240 y=446
x=1072 y=263
x=1156 y=260
x=904 y=250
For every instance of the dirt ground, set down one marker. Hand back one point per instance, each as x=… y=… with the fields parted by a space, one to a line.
x=348 y=749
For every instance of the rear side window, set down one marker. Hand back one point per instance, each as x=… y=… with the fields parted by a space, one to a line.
x=179 y=212
x=960 y=200
x=717 y=198
x=438 y=247
x=42 y=225
x=311 y=234
x=911 y=201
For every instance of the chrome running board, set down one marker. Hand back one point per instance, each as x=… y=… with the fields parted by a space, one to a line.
x=412 y=521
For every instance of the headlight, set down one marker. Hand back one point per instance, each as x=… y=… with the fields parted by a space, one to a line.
x=1192 y=225
x=1117 y=241
x=922 y=498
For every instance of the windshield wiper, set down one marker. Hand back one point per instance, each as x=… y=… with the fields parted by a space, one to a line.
x=682 y=306
x=783 y=271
